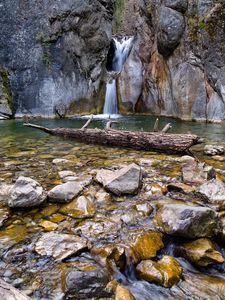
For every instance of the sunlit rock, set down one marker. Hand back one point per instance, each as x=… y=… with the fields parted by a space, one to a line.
x=186 y=221
x=165 y=272
x=213 y=150
x=213 y=194
x=124 y=181
x=59 y=245
x=123 y=293
x=145 y=244
x=26 y=192
x=48 y=225
x=201 y=252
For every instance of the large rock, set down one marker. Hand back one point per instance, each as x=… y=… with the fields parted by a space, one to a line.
x=86 y=281
x=61 y=47
x=26 y=192
x=186 y=221
x=165 y=272
x=201 y=252
x=171 y=29
x=124 y=181
x=213 y=194
x=67 y=191
x=145 y=244
x=59 y=245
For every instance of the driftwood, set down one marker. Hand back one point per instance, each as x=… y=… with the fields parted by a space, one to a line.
x=149 y=141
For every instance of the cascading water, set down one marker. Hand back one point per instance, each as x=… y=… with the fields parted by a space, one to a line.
x=122 y=51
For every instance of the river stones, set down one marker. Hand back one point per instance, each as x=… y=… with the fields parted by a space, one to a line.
x=186 y=221
x=212 y=150
x=194 y=172
x=145 y=244
x=123 y=293
x=60 y=245
x=201 y=252
x=124 y=181
x=26 y=192
x=165 y=272
x=213 y=194
x=82 y=207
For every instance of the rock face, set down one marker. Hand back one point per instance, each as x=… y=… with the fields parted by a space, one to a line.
x=124 y=181
x=165 y=272
x=186 y=221
x=59 y=245
x=54 y=53
x=201 y=252
x=178 y=45
x=6 y=101
x=26 y=192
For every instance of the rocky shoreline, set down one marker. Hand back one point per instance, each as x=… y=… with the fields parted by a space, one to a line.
x=98 y=224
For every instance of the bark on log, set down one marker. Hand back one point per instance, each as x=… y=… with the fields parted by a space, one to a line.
x=149 y=141
x=8 y=292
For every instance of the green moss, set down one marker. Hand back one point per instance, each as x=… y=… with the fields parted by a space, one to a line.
x=44 y=41
x=7 y=89
x=118 y=15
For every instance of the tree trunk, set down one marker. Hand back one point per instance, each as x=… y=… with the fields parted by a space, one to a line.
x=149 y=141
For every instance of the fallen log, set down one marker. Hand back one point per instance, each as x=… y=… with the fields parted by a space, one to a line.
x=149 y=141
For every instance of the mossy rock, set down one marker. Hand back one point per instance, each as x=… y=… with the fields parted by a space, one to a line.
x=166 y=272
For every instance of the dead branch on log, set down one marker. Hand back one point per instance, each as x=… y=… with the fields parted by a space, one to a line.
x=156 y=125
x=88 y=122
x=166 y=128
x=149 y=141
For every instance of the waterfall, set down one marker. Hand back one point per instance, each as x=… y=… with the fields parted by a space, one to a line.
x=122 y=50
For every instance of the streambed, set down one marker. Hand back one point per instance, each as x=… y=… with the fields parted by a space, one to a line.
x=26 y=152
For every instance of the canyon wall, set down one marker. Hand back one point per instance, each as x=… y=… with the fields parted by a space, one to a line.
x=53 y=57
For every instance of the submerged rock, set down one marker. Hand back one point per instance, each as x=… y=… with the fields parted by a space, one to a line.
x=165 y=272
x=59 y=245
x=82 y=207
x=124 y=181
x=123 y=293
x=201 y=252
x=4 y=215
x=213 y=193
x=26 y=192
x=186 y=221
x=213 y=150
x=145 y=244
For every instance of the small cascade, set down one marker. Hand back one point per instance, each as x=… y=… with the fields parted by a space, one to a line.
x=122 y=50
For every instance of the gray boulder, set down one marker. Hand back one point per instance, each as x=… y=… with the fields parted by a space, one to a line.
x=59 y=245
x=65 y=192
x=213 y=150
x=186 y=221
x=213 y=193
x=124 y=181
x=26 y=192
x=171 y=29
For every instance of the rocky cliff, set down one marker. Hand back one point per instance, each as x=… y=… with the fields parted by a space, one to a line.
x=53 y=56
x=179 y=57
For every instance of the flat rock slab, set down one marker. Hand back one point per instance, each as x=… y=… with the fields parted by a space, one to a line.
x=8 y=292
x=65 y=192
x=186 y=220
x=124 y=181
x=26 y=192
x=59 y=245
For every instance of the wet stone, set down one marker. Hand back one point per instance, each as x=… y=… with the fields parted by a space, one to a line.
x=59 y=245
x=48 y=226
x=65 y=192
x=201 y=252
x=26 y=192
x=166 y=272
x=186 y=220
x=213 y=150
x=123 y=293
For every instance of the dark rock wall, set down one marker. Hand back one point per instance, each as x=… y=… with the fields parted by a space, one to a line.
x=54 y=52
